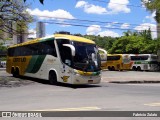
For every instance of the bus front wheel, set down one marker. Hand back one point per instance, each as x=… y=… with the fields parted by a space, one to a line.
x=52 y=78
x=134 y=68
x=109 y=68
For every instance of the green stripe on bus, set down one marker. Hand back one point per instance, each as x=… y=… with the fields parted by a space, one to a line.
x=47 y=39
x=137 y=62
x=35 y=63
x=38 y=63
x=142 y=62
x=32 y=63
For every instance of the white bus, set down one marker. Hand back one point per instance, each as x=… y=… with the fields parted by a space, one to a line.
x=3 y=64
x=147 y=62
x=58 y=58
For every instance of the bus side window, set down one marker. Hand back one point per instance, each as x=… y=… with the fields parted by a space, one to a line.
x=50 y=48
x=11 y=51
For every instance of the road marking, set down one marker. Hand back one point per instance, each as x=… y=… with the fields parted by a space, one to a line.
x=153 y=104
x=72 y=109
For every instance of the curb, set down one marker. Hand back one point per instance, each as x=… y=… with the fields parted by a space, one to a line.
x=134 y=82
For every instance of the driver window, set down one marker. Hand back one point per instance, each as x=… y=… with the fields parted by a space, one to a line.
x=65 y=52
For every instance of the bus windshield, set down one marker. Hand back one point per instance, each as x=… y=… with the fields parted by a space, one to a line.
x=87 y=57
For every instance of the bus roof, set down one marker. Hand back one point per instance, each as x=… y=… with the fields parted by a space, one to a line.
x=142 y=54
x=70 y=37
x=114 y=54
x=74 y=38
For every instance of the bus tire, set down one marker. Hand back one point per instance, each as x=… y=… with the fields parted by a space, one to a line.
x=13 y=72
x=138 y=68
x=134 y=68
x=109 y=68
x=52 y=78
x=113 y=68
x=17 y=72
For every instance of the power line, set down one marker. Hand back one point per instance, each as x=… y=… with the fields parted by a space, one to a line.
x=80 y=25
x=94 y=21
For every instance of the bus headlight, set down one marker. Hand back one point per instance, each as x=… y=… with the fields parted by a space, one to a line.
x=75 y=72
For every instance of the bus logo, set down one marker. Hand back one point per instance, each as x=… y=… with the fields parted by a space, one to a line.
x=65 y=78
x=19 y=59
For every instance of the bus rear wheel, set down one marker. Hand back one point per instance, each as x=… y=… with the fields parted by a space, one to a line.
x=15 y=72
x=52 y=78
x=113 y=68
x=139 y=68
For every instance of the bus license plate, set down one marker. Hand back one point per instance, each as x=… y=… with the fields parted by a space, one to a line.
x=90 y=81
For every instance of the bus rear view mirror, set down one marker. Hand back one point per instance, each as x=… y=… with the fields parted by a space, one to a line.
x=71 y=47
x=103 y=54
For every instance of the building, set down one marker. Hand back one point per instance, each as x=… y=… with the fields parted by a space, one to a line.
x=40 y=30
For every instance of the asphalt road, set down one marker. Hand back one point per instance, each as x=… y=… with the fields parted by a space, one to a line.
x=102 y=97
x=105 y=96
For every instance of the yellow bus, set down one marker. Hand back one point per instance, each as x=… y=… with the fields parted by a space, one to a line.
x=118 y=62
x=58 y=58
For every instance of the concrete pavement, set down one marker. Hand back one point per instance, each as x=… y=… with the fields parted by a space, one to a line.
x=130 y=77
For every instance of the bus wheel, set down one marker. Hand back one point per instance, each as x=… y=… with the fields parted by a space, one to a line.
x=16 y=73
x=134 y=68
x=139 y=68
x=109 y=68
x=113 y=69
x=13 y=72
x=52 y=78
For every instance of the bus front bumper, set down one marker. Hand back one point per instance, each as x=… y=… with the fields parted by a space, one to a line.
x=82 y=79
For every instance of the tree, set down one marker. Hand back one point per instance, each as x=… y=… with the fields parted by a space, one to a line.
x=13 y=12
x=133 y=45
x=146 y=34
x=130 y=33
x=103 y=42
x=154 y=6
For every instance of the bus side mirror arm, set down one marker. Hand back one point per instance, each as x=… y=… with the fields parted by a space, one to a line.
x=71 y=47
x=104 y=51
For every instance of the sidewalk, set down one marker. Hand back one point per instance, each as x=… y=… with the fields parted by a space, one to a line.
x=2 y=69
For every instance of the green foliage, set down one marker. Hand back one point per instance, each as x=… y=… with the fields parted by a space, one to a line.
x=14 y=18
x=153 y=5
x=135 y=45
x=3 y=58
x=3 y=51
x=2 y=48
x=131 y=43
x=103 y=42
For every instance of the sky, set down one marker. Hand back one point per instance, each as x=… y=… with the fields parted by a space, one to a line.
x=91 y=17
